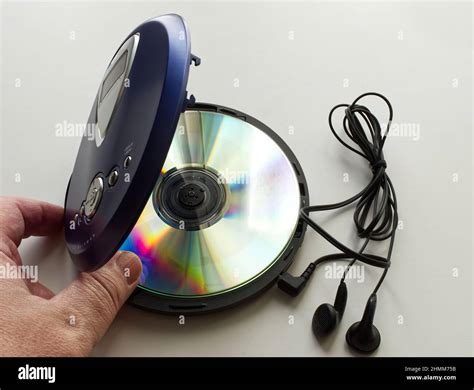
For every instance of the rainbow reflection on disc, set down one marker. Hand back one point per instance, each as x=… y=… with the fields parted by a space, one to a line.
x=245 y=236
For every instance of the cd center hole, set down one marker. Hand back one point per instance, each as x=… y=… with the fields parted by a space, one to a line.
x=191 y=195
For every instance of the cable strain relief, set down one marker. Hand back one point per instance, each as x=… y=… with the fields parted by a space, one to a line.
x=308 y=271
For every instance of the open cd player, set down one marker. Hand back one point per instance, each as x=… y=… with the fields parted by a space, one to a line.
x=208 y=197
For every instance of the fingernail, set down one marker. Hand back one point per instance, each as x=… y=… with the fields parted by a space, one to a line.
x=130 y=265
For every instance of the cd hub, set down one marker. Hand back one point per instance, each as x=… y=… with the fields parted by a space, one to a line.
x=191 y=195
x=190 y=198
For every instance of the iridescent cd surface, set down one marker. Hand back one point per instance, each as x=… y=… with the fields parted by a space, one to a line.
x=252 y=209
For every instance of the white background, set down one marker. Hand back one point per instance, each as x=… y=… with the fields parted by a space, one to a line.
x=293 y=62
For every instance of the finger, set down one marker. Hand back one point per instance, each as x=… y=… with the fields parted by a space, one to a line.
x=39 y=289
x=21 y=218
x=94 y=299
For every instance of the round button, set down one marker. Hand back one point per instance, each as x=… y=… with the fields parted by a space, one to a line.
x=127 y=161
x=94 y=196
x=113 y=177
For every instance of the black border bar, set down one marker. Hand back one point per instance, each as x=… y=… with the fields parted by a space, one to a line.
x=411 y=372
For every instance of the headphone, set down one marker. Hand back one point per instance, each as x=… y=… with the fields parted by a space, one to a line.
x=375 y=217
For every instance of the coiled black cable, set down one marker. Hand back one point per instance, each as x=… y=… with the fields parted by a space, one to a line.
x=375 y=215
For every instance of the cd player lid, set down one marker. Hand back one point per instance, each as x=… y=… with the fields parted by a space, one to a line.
x=127 y=138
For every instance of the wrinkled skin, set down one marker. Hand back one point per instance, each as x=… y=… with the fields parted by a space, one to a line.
x=35 y=321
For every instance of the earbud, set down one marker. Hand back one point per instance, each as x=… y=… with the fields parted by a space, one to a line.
x=326 y=317
x=363 y=336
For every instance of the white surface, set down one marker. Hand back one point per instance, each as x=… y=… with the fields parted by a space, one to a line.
x=288 y=84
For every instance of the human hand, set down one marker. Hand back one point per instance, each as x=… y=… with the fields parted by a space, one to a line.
x=34 y=321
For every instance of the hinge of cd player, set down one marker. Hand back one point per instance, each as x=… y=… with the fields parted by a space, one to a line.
x=188 y=101
x=195 y=59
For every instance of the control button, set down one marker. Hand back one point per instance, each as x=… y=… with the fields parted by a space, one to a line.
x=94 y=196
x=113 y=177
x=127 y=161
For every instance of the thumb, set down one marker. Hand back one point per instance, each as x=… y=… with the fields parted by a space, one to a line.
x=93 y=299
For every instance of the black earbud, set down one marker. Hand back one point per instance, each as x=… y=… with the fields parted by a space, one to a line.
x=327 y=316
x=363 y=336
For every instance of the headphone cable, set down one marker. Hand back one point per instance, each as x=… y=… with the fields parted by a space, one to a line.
x=375 y=214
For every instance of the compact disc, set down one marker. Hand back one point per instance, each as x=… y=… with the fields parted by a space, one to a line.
x=223 y=211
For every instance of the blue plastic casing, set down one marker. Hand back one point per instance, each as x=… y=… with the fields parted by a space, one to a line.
x=141 y=128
